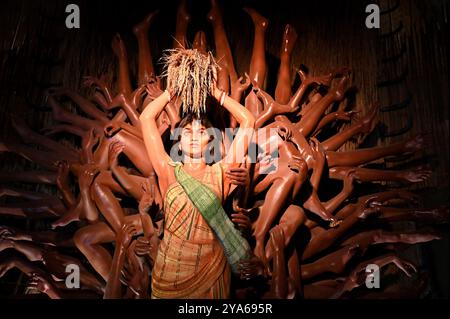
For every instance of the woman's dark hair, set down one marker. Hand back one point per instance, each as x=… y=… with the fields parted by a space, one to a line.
x=189 y=118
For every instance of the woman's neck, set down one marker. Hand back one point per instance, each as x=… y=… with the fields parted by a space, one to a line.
x=193 y=164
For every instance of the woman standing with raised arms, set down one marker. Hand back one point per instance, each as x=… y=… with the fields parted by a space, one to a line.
x=201 y=246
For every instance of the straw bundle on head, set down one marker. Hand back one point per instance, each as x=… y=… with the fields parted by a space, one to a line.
x=190 y=75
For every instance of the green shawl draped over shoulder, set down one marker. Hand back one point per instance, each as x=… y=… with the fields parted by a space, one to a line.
x=236 y=247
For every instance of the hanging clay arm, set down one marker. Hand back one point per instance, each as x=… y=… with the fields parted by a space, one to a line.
x=325 y=210
x=283 y=89
x=123 y=240
x=241 y=178
x=383 y=198
x=102 y=94
x=150 y=202
x=371 y=175
x=124 y=82
x=183 y=18
x=238 y=87
x=367 y=155
x=89 y=141
x=346 y=191
x=363 y=126
x=34 y=176
x=371 y=200
x=32 y=213
x=271 y=108
x=63 y=183
x=136 y=271
x=31 y=137
x=333 y=117
x=103 y=97
x=113 y=127
x=42 y=237
x=32 y=271
x=135 y=151
x=62 y=128
x=279 y=286
x=359 y=275
x=16 y=192
x=258 y=66
x=321 y=80
x=20 y=263
x=129 y=104
x=331 y=263
x=120 y=51
x=379 y=236
x=56 y=263
x=85 y=105
x=30 y=250
x=393 y=214
x=47 y=286
x=306 y=83
x=145 y=61
x=130 y=185
x=85 y=180
x=323 y=240
x=62 y=115
x=289 y=132
x=319 y=163
x=312 y=117
x=227 y=72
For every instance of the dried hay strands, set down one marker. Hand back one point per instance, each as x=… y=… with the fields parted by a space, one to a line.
x=190 y=76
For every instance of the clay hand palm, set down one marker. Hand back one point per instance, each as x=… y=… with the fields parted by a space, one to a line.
x=153 y=89
x=133 y=276
x=242 y=219
x=125 y=235
x=87 y=175
x=7 y=232
x=63 y=171
x=151 y=195
x=115 y=149
x=240 y=87
x=318 y=152
x=90 y=139
x=251 y=268
x=41 y=283
x=238 y=176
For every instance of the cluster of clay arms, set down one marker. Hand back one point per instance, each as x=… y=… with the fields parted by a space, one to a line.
x=107 y=210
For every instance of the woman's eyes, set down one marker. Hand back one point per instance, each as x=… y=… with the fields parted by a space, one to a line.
x=188 y=132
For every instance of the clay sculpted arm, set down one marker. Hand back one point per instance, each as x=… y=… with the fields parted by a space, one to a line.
x=123 y=240
x=62 y=182
x=120 y=172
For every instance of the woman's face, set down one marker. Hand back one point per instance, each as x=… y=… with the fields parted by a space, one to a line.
x=194 y=139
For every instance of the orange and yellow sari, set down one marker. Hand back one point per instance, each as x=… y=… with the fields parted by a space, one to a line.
x=190 y=262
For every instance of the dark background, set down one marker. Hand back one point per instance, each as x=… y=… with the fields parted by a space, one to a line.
x=404 y=60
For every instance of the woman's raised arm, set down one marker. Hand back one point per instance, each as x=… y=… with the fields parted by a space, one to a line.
x=238 y=148
x=246 y=120
x=152 y=139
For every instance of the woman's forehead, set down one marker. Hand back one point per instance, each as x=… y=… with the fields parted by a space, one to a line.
x=195 y=124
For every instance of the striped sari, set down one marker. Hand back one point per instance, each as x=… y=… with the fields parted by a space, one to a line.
x=190 y=262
